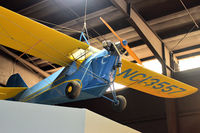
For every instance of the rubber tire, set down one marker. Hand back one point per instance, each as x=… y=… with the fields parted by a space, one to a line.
x=121 y=104
x=76 y=90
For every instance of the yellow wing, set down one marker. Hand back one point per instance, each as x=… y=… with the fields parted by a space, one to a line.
x=9 y=92
x=26 y=35
x=145 y=80
x=23 y=34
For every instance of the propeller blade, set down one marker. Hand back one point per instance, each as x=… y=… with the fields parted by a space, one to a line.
x=133 y=55
x=123 y=43
x=108 y=26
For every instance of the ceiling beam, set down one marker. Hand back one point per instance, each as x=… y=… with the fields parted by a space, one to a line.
x=188 y=52
x=160 y=25
x=142 y=50
x=93 y=20
x=32 y=58
x=90 y=16
x=39 y=62
x=41 y=72
x=54 y=70
x=33 y=7
x=40 y=9
x=169 y=21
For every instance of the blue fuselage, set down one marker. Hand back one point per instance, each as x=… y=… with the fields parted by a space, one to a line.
x=94 y=75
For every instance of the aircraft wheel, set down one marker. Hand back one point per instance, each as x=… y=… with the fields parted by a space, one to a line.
x=121 y=105
x=73 y=90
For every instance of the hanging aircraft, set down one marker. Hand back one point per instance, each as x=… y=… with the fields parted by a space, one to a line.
x=87 y=72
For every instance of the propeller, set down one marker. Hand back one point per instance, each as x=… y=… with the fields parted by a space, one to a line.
x=123 y=43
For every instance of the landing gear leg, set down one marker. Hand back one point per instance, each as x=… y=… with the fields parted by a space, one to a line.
x=120 y=104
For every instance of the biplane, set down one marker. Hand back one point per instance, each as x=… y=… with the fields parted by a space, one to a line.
x=87 y=72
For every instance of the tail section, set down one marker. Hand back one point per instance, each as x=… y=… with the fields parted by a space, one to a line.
x=16 y=81
x=14 y=86
x=10 y=92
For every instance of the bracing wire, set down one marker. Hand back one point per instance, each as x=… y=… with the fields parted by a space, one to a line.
x=90 y=72
x=36 y=37
x=61 y=27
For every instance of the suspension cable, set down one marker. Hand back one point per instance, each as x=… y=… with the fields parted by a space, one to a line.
x=190 y=30
x=178 y=43
x=78 y=16
x=85 y=21
x=189 y=14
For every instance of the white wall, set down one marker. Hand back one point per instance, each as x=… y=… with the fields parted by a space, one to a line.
x=19 y=117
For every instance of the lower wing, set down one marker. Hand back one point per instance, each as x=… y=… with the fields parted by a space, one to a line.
x=142 y=79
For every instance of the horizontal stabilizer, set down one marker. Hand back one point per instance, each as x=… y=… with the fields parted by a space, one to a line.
x=10 y=92
x=142 y=79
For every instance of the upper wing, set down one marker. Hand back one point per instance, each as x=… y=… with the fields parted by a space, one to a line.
x=145 y=80
x=26 y=35
x=9 y=92
x=23 y=34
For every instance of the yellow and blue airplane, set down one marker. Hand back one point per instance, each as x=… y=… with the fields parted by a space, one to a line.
x=87 y=72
